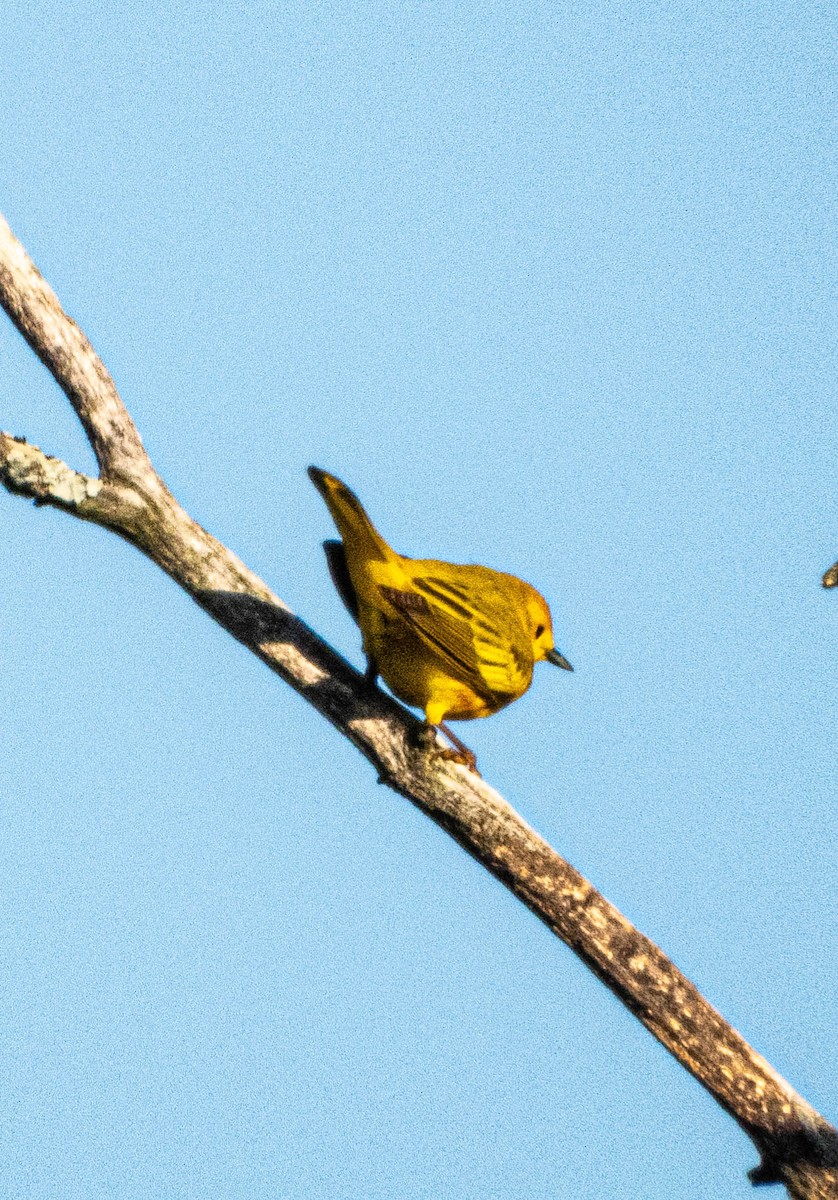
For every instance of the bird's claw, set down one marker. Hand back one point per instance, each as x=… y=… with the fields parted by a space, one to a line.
x=426 y=740
x=465 y=758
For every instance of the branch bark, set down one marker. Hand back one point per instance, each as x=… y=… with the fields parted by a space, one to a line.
x=797 y=1146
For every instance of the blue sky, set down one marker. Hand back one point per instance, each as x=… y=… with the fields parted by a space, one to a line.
x=552 y=287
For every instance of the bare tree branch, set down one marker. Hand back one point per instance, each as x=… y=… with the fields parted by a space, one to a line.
x=62 y=347
x=798 y=1147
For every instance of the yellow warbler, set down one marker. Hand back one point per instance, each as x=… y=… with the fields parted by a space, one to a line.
x=455 y=641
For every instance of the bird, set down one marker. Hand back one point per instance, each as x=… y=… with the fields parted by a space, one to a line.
x=456 y=641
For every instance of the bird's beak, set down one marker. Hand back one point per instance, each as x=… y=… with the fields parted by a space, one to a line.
x=558 y=660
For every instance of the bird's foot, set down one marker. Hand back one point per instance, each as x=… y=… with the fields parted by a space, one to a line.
x=466 y=757
x=426 y=739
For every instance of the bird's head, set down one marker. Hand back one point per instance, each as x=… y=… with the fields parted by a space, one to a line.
x=540 y=625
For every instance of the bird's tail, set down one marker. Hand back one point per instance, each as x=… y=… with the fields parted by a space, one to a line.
x=361 y=539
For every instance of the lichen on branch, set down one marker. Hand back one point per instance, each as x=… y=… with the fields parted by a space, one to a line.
x=27 y=471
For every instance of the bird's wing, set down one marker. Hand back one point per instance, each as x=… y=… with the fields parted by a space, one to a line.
x=459 y=621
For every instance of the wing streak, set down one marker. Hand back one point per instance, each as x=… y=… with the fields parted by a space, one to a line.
x=445 y=617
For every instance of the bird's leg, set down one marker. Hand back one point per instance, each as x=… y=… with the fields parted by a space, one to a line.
x=424 y=736
x=461 y=752
x=371 y=673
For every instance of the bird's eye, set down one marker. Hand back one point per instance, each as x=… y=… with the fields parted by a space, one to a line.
x=539 y=629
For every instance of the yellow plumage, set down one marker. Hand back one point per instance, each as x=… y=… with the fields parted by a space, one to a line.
x=456 y=641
